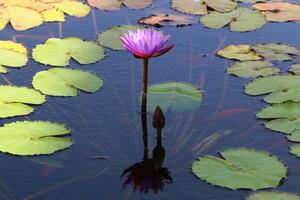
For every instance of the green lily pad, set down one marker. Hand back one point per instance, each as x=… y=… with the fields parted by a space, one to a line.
x=276 y=52
x=176 y=96
x=252 y=69
x=282 y=88
x=190 y=6
x=65 y=82
x=111 y=37
x=12 y=54
x=295 y=69
x=273 y=195
x=295 y=149
x=221 y=5
x=286 y=117
x=240 y=19
x=58 y=52
x=241 y=169
x=239 y=52
x=13 y=100
x=294 y=136
x=28 y=138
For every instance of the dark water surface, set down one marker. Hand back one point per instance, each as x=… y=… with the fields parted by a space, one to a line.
x=108 y=123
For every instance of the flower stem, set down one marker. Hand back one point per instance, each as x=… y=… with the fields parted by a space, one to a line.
x=145 y=87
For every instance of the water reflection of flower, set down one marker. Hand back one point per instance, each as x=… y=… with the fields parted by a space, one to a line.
x=149 y=175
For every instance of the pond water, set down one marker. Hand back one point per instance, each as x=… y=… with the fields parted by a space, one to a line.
x=108 y=122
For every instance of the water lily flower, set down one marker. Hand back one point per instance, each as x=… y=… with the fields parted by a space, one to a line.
x=145 y=44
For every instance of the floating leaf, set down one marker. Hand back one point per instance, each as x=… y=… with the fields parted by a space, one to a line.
x=176 y=96
x=111 y=37
x=116 y=4
x=30 y=138
x=239 y=52
x=286 y=117
x=241 y=169
x=72 y=8
x=240 y=19
x=295 y=149
x=282 y=88
x=253 y=69
x=168 y=20
x=190 y=6
x=295 y=69
x=13 y=100
x=273 y=195
x=65 y=82
x=12 y=54
x=279 y=11
x=24 y=14
x=294 y=136
x=58 y=52
x=276 y=52
x=221 y=5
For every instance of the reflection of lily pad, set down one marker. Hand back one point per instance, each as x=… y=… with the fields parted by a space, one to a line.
x=282 y=88
x=58 y=52
x=277 y=52
x=241 y=169
x=12 y=55
x=285 y=117
x=253 y=69
x=273 y=195
x=241 y=20
x=190 y=6
x=111 y=37
x=176 y=96
x=33 y=138
x=65 y=82
x=239 y=52
x=13 y=100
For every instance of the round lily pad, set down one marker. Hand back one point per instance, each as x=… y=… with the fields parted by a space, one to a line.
x=221 y=5
x=190 y=6
x=241 y=169
x=111 y=37
x=295 y=69
x=176 y=96
x=273 y=195
x=239 y=52
x=28 y=138
x=282 y=88
x=276 y=52
x=24 y=14
x=294 y=136
x=13 y=100
x=252 y=69
x=58 y=52
x=240 y=19
x=295 y=149
x=65 y=82
x=12 y=54
x=116 y=4
x=286 y=117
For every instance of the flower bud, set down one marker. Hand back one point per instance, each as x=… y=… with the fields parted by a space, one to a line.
x=158 y=118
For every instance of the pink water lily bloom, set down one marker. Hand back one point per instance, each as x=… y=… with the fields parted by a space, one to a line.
x=146 y=43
